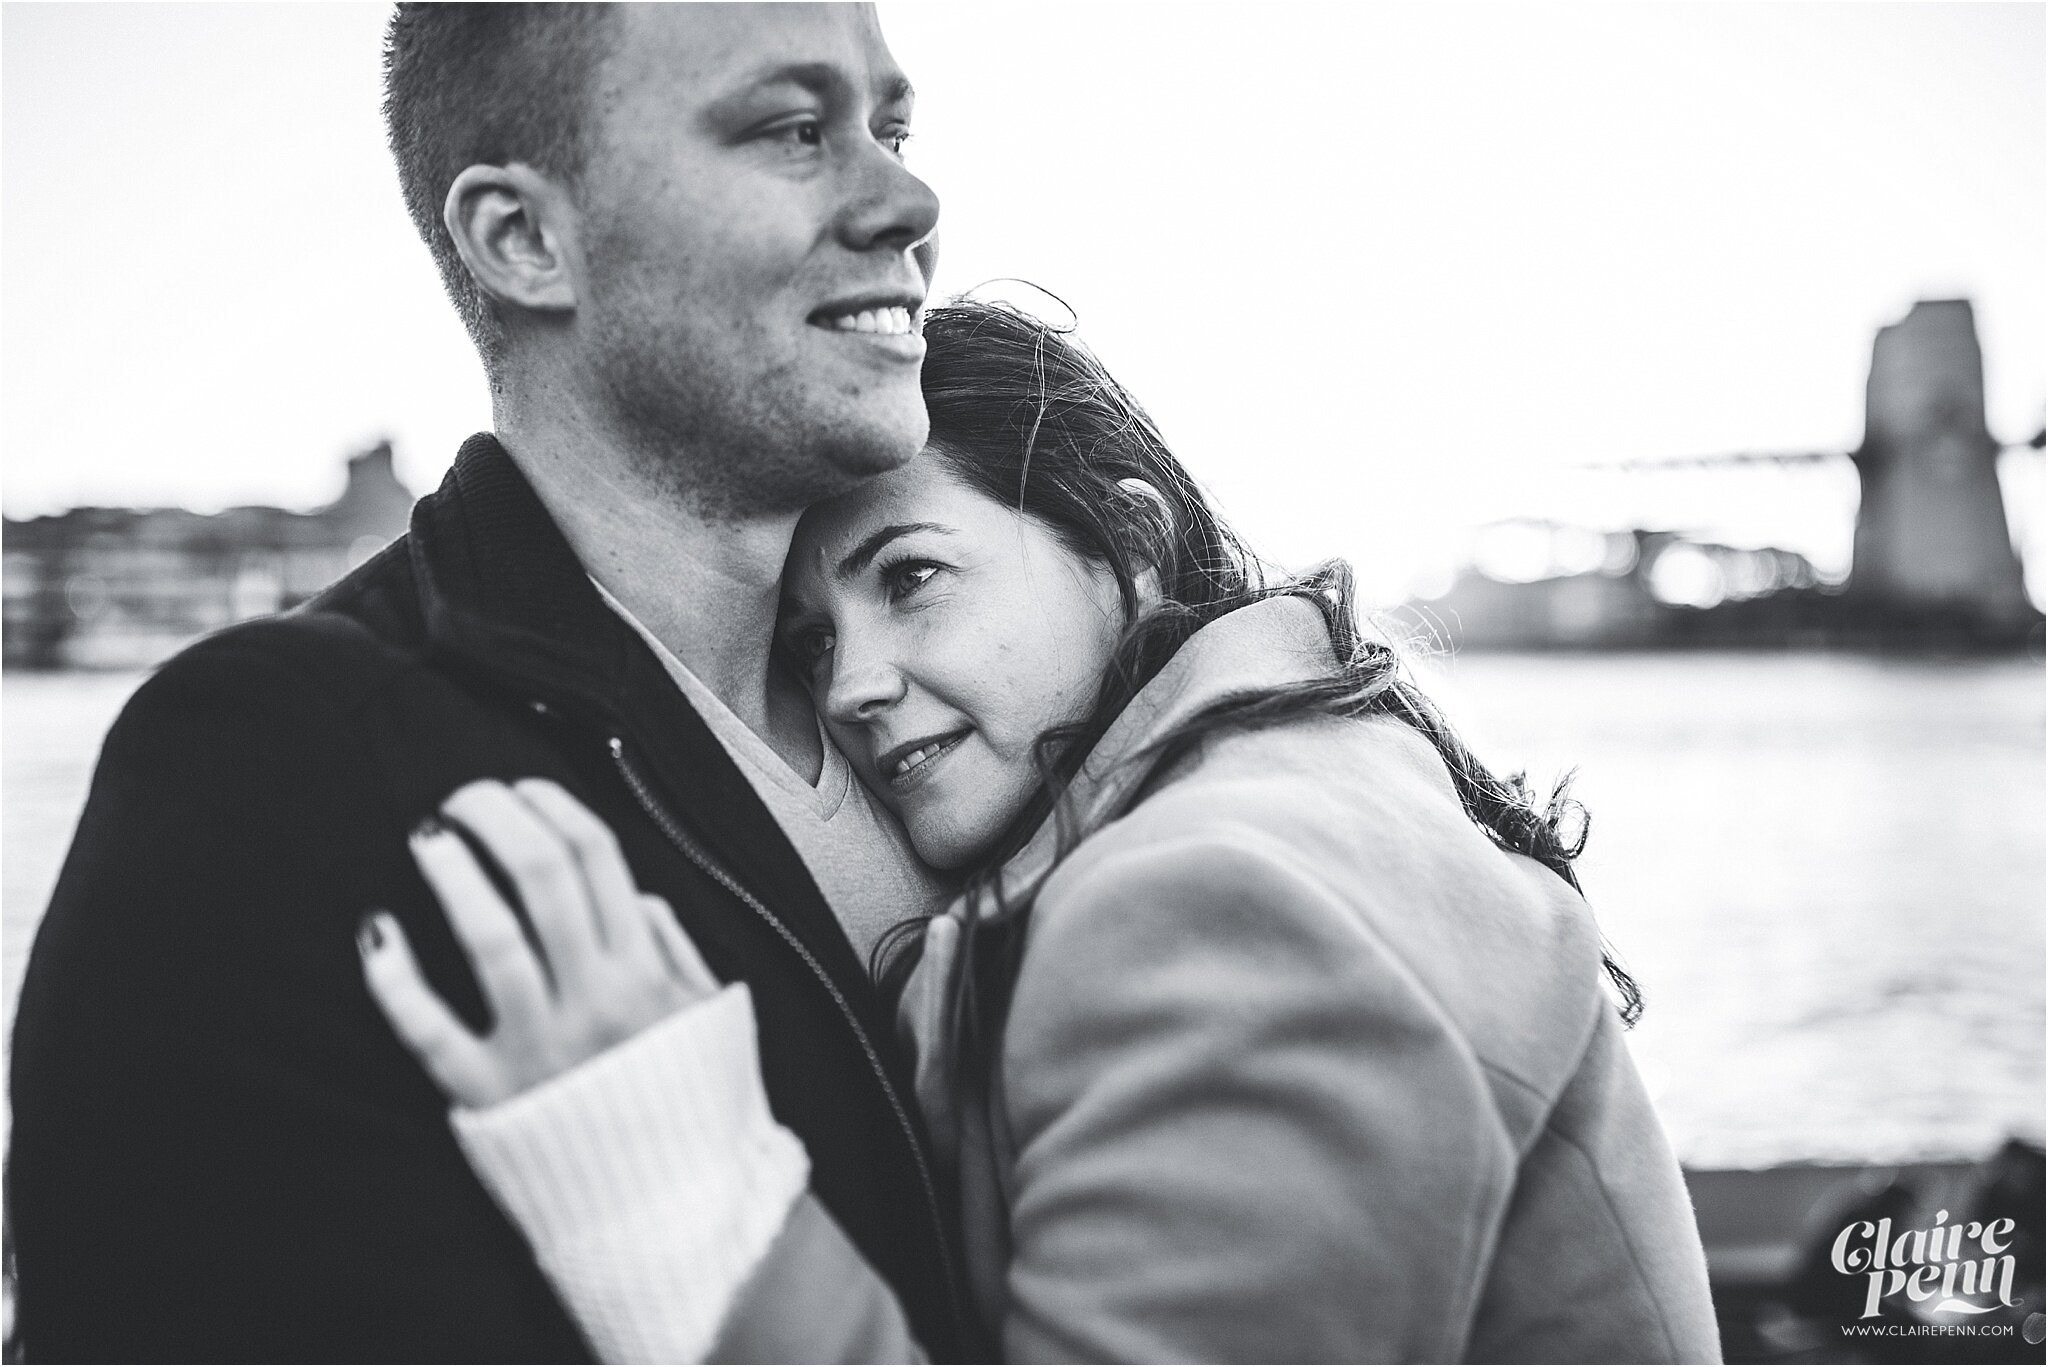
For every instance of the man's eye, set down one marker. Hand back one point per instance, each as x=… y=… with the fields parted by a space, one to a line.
x=802 y=133
x=907 y=578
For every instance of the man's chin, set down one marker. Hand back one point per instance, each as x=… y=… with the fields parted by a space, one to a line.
x=877 y=442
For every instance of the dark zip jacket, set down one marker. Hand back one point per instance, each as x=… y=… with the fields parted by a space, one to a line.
x=220 y=1151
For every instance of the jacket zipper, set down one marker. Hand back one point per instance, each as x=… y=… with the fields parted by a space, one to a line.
x=697 y=855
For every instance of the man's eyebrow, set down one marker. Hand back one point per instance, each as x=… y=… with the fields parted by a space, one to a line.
x=819 y=78
x=871 y=545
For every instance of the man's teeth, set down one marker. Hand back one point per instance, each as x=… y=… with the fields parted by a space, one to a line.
x=890 y=322
x=918 y=756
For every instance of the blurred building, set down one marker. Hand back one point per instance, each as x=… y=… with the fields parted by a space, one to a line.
x=1640 y=588
x=1931 y=531
x=123 y=588
x=1934 y=561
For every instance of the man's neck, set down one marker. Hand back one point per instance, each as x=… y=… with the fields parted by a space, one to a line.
x=705 y=588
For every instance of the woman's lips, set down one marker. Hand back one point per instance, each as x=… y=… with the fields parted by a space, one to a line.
x=912 y=771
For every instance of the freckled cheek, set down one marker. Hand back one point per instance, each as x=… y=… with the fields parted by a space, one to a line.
x=1072 y=661
x=976 y=674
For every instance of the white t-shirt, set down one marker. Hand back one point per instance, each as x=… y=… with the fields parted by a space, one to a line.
x=854 y=848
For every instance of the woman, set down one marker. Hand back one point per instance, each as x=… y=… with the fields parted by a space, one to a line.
x=1270 y=1025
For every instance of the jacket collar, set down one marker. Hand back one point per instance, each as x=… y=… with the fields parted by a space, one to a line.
x=500 y=586
x=1264 y=645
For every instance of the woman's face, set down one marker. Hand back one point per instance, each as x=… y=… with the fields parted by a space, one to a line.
x=943 y=633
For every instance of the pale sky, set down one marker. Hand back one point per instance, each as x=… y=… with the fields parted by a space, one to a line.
x=1378 y=270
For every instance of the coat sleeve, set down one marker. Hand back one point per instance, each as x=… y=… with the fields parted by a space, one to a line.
x=1243 y=1131
x=219 y=1150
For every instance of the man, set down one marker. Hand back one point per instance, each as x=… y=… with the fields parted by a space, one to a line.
x=687 y=248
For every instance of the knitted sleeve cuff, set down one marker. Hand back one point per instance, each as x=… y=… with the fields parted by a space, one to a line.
x=649 y=1180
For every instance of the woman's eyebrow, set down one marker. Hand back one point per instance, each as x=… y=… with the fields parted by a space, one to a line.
x=871 y=545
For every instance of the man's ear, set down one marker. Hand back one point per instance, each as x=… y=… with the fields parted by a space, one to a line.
x=514 y=229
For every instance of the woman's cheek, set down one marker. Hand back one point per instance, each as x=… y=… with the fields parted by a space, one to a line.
x=1075 y=669
x=954 y=826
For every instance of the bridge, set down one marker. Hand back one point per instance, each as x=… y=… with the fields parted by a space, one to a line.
x=1931 y=530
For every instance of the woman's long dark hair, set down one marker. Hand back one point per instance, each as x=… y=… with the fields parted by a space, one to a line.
x=1025 y=414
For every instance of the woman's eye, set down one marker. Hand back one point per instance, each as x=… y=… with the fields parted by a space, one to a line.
x=907 y=578
x=806 y=644
x=893 y=139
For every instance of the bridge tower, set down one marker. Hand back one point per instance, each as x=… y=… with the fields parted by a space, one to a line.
x=1931 y=535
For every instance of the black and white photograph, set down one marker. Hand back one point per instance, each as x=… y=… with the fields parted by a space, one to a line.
x=1075 y=682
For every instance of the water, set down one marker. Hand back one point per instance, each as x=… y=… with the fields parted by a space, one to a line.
x=1827 y=871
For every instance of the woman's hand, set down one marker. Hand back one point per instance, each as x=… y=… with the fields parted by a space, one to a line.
x=609 y=960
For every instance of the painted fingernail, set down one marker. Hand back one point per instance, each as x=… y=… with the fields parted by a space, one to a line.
x=370 y=933
x=429 y=827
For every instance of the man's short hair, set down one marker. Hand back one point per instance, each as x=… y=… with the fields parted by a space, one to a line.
x=485 y=84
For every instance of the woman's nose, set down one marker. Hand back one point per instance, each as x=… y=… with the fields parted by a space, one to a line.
x=862 y=688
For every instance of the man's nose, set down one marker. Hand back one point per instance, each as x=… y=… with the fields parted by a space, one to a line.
x=890 y=208
x=862 y=688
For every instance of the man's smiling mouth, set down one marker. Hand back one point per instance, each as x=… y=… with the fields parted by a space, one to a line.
x=888 y=322
x=886 y=312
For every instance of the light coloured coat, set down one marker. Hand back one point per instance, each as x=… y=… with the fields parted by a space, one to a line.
x=1300 y=1067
